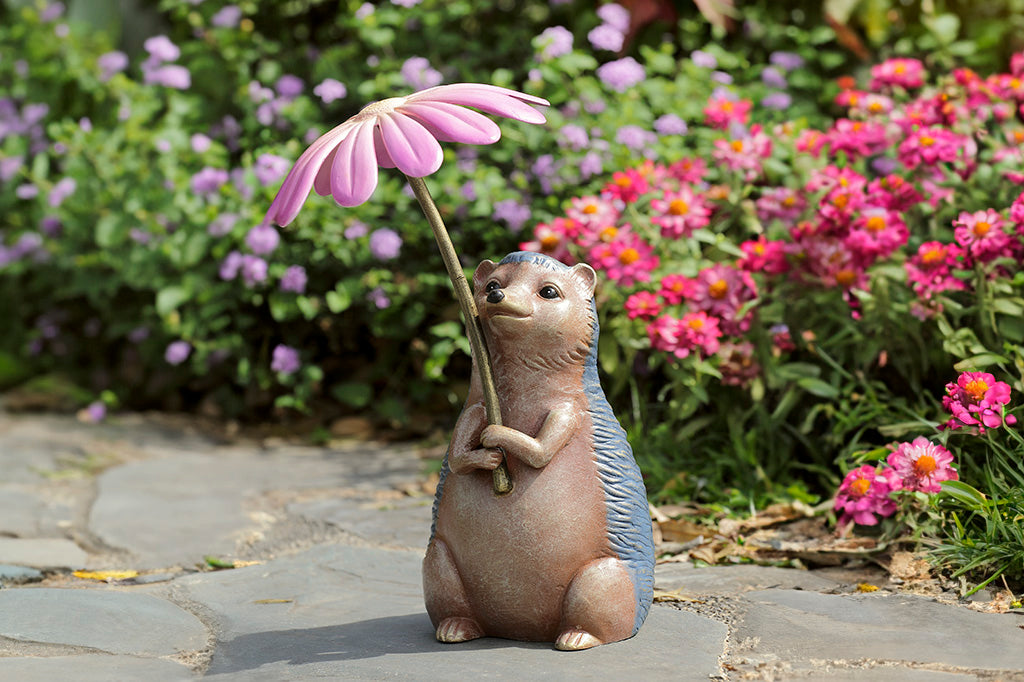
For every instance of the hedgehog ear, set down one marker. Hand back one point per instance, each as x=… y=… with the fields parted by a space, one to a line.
x=483 y=273
x=586 y=276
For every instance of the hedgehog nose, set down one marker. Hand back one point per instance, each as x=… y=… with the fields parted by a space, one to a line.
x=495 y=296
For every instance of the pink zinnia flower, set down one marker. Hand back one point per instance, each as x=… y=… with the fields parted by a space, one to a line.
x=553 y=239
x=723 y=291
x=675 y=288
x=865 y=493
x=626 y=260
x=400 y=132
x=877 y=233
x=643 y=304
x=900 y=72
x=929 y=146
x=762 y=255
x=856 y=138
x=627 y=186
x=977 y=399
x=699 y=331
x=679 y=213
x=929 y=271
x=722 y=111
x=780 y=203
x=922 y=465
x=592 y=211
x=690 y=170
x=981 y=234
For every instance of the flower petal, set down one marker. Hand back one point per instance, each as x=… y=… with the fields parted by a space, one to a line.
x=301 y=177
x=487 y=98
x=451 y=123
x=322 y=181
x=384 y=159
x=411 y=146
x=354 y=172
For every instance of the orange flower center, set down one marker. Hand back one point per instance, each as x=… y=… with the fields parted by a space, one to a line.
x=737 y=145
x=727 y=106
x=629 y=256
x=623 y=181
x=927 y=141
x=860 y=487
x=924 y=465
x=875 y=107
x=899 y=68
x=608 y=234
x=678 y=207
x=981 y=228
x=1018 y=136
x=976 y=389
x=549 y=241
x=841 y=200
x=876 y=223
x=718 y=289
x=846 y=277
x=789 y=202
x=932 y=256
x=759 y=249
x=695 y=323
x=590 y=209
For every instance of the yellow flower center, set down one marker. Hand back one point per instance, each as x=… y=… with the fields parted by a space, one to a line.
x=846 y=277
x=899 y=68
x=727 y=106
x=590 y=209
x=841 y=200
x=608 y=234
x=696 y=323
x=789 y=202
x=737 y=145
x=860 y=487
x=678 y=207
x=976 y=389
x=875 y=107
x=718 y=289
x=759 y=249
x=549 y=242
x=629 y=256
x=981 y=228
x=932 y=256
x=927 y=141
x=1018 y=136
x=924 y=465
x=623 y=181
x=876 y=223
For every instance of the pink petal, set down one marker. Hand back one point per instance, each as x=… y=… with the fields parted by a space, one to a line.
x=354 y=172
x=300 y=180
x=322 y=181
x=487 y=98
x=411 y=146
x=451 y=123
x=384 y=160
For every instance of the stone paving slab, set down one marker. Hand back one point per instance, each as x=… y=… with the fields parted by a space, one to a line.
x=93 y=668
x=403 y=523
x=41 y=553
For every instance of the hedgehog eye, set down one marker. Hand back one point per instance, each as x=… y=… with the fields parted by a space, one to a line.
x=548 y=292
x=492 y=285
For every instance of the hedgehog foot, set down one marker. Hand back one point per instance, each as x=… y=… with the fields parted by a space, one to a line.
x=576 y=640
x=456 y=629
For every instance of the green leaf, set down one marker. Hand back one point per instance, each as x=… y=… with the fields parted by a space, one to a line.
x=818 y=387
x=169 y=298
x=338 y=300
x=979 y=361
x=945 y=27
x=110 y=230
x=966 y=495
x=1008 y=306
x=353 y=393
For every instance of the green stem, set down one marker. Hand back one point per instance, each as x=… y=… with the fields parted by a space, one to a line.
x=502 y=479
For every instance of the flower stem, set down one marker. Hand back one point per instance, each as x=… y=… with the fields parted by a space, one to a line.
x=502 y=479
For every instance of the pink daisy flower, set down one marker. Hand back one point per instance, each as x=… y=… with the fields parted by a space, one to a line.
x=679 y=213
x=929 y=271
x=894 y=193
x=626 y=260
x=626 y=186
x=723 y=291
x=699 y=331
x=643 y=304
x=977 y=399
x=744 y=154
x=553 y=239
x=898 y=72
x=932 y=145
x=765 y=256
x=981 y=235
x=780 y=203
x=856 y=138
x=721 y=111
x=675 y=288
x=922 y=465
x=877 y=233
x=864 y=495
x=591 y=210
x=689 y=170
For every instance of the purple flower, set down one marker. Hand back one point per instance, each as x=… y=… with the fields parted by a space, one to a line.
x=270 y=168
x=64 y=188
x=776 y=100
x=26 y=191
x=230 y=266
x=606 y=37
x=294 y=279
x=32 y=114
x=222 y=224
x=721 y=77
x=366 y=9
x=161 y=49
x=773 y=78
x=138 y=335
x=177 y=352
x=254 y=270
x=209 y=180
x=574 y=136
x=200 y=143
x=468 y=191
x=621 y=74
x=786 y=60
x=378 y=298
x=226 y=17
x=385 y=244
x=670 y=124
x=635 y=137
x=262 y=239
x=591 y=164
x=884 y=165
x=703 y=59
x=140 y=236
x=330 y=90
x=356 y=230
x=553 y=41
x=95 y=412
x=50 y=225
x=418 y=73
x=52 y=12
x=9 y=166
x=512 y=212
x=289 y=86
x=615 y=16
x=285 y=360
x=85 y=124
x=406 y=3
x=170 y=76
x=111 y=63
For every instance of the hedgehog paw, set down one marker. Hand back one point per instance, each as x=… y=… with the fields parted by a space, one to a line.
x=576 y=640
x=455 y=629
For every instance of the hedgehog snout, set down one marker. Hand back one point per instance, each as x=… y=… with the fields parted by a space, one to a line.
x=495 y=296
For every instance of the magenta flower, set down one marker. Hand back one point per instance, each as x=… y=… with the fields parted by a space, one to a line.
x=294 y=279
x=262 y=239
x=400 y=132
x=922 y=465
x=330 y=90
x=285 y=360
x=864 y=493
x=977 y=399
x=385 y=244
x=621 y=74
x=981 y=235
x=177 y=352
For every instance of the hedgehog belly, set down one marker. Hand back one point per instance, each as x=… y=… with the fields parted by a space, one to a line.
x=517 y=554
